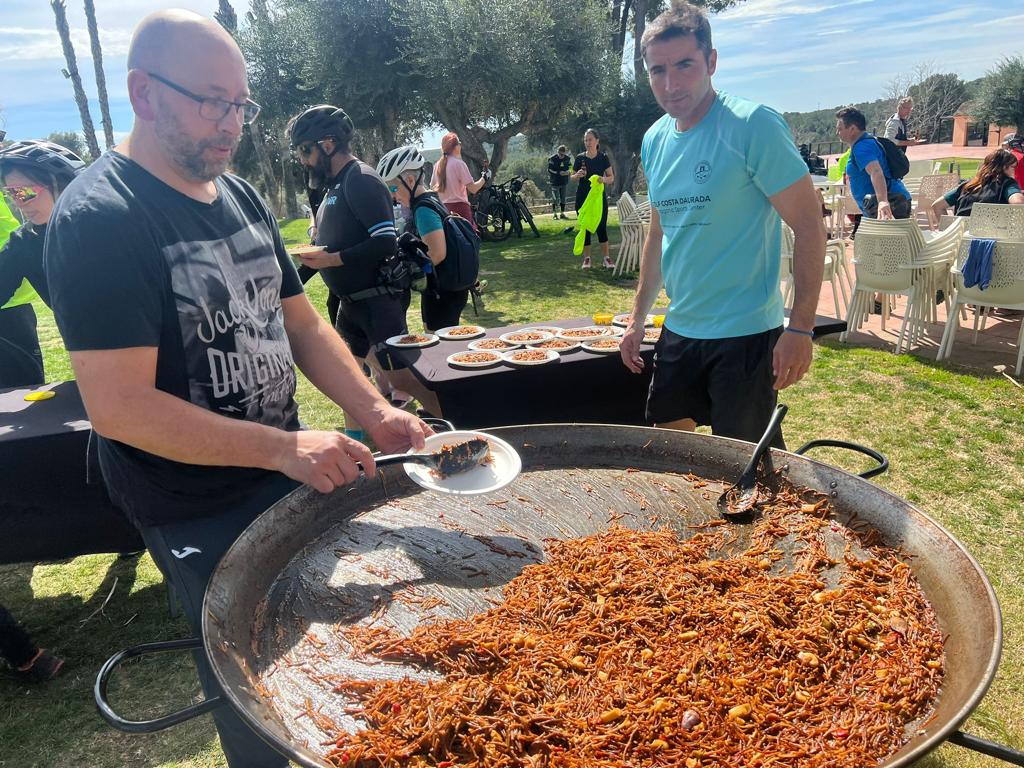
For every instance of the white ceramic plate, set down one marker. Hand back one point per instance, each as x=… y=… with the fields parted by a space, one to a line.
x=508 y=336
x=550 y=357
x=645 y=340
x=454 y=359
x=596 y=332
x=476 y=345
x=446 y=333
x=305 y=250
x=623 y=320
x=573 y=348
x=554 y=330
x=589 y=346
x=395 y=341
x=504 y=467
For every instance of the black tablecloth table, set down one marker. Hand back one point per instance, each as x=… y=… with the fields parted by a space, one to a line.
x=47 y=510
x=580 y=386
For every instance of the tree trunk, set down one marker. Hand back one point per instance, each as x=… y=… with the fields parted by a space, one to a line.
x=226 y=17
x=291 y=203
x=61 y=18
x=266 y=168
x=639 y=24
x=101 y=80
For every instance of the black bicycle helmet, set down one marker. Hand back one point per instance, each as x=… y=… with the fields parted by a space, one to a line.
x=58 y=161
x=321 y=122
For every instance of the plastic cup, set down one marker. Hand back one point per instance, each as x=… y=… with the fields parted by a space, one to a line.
x=603 y=318
x=659 y=320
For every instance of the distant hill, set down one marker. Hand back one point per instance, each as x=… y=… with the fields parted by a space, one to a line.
x=820 y=125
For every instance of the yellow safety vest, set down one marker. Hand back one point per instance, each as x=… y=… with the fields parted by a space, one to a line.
x=25 y=294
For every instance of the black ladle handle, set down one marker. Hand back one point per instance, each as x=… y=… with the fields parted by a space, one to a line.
x=750 y=472
x=883 y=462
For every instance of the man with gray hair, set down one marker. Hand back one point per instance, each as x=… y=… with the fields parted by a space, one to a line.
x=896 y=127
x=184 y=318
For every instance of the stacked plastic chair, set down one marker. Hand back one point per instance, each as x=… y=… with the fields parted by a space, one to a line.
x=894 y=258
x=631 y=229
x=1005 y=225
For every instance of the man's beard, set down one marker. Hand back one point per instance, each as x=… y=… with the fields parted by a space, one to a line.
x=318 y=173
x=188 y=155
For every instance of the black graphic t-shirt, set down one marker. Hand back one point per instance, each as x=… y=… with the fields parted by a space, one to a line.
x=596 y=166
x=132 y=262
x=356 y=218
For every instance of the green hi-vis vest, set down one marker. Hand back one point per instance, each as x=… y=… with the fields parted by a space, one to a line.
x=25 y=293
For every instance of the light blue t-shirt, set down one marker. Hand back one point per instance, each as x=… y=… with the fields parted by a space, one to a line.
x=427 y=220
x=710 y=185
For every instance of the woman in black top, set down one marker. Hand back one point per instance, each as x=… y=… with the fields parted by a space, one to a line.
x=994 y=182
x=593 y=162
x=33 y=174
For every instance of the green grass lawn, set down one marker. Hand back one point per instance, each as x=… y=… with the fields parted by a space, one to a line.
x=955 y=439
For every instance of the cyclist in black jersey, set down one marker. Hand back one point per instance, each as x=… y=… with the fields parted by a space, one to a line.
x=356 y=227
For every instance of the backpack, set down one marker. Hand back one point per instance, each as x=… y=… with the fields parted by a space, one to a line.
x=899 y=165
x=461 y=265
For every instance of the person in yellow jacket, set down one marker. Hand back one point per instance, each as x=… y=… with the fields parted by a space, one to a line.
x=33 y=173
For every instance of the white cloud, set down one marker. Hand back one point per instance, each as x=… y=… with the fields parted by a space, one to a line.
x=776 y=10
x=36 y=44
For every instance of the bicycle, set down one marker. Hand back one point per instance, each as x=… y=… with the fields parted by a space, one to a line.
x=500 y=210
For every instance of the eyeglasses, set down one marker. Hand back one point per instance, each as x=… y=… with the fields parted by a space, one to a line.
x=210 y=107
x=393 y=188
x=25 y=193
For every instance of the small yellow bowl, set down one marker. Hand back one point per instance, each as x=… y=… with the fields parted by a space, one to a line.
x=603 y=318
x=46 y=394
x=659 y=320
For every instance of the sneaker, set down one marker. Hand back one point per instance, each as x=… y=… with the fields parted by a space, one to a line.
x=45 y=666
x=608 y=263
x=586 y=263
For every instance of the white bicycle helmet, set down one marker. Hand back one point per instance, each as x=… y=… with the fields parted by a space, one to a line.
x=398 y=161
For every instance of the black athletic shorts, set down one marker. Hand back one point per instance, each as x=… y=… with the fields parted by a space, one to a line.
x=367 y=324
x=440 y=309
x=724 y=383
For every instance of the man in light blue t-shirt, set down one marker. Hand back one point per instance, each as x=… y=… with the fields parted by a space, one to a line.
x=720 y=171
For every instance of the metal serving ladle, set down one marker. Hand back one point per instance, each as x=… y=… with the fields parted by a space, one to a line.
x=737 y=500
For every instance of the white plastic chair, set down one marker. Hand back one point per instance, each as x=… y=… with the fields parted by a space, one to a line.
x=1005 y=290
x=893 y=258
x=835 y=261
x=631 y=229
x=997 y=221
x=932 y=188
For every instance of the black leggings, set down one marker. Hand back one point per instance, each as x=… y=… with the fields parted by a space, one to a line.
x=15 y=644
x=602 y=228
x=21 y=361
x=441 y=309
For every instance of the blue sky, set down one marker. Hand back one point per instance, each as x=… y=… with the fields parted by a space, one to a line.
x=794 y=55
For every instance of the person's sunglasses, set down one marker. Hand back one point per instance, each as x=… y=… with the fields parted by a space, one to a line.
x=24 y=193
x=212 y=108
x=393 y=188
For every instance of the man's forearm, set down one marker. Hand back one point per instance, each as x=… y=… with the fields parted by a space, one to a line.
x=808 y=269
x=164 y=425
x=878 y=184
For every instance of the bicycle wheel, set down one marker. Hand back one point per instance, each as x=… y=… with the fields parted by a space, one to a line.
x=514 y=217
x=525 y=213
x=493 y=222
